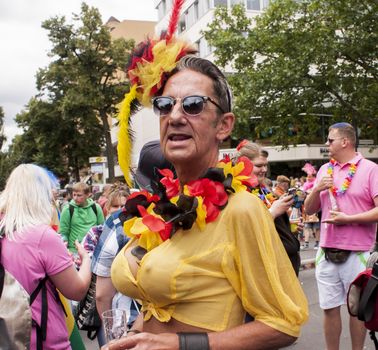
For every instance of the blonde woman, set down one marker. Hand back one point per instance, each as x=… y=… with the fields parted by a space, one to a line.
x=26 y=210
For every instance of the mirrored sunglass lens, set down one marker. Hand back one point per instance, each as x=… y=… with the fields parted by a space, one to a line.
x=192 y=105
x=163 y=105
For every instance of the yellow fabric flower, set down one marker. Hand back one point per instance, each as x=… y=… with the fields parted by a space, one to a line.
x=201 y=214
x=235 y=171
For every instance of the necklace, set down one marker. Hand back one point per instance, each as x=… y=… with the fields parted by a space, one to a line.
x=154 y=217
x=347 y=181
x=265 y=195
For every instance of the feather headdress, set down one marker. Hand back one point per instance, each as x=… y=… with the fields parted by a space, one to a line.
x=148 y=69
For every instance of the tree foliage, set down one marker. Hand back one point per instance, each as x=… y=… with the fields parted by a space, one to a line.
x=68 y=121
x=298 y=60
x=4 y=159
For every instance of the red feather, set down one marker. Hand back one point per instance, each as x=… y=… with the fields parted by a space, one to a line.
x=173 y=21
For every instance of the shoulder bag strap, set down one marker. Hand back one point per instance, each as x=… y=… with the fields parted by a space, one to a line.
x=42 y=328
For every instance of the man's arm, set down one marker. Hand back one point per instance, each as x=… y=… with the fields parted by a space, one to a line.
x=105 y=292
x=253 y=335
x=366 y=217
x=64 y=224
x=312 y=202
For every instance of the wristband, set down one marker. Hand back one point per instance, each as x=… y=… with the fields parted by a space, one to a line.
x=193 y=341
x=136 y=331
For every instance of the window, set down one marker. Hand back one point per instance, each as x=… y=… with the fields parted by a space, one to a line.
x=162 y=9
x=236 y=2
x=191 y=16
x=203 y=7
x=220 y=3
x=253 y=5
x=204 y=49
x=265 y=3
x=195 y=10
x=182 y=24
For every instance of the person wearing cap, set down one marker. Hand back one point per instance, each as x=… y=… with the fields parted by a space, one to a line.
x=203 y=250
x=151 y=158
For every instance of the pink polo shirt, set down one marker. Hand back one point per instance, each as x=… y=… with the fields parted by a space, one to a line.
x=358 y=198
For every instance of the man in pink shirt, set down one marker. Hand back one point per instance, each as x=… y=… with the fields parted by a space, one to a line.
x=346 y=190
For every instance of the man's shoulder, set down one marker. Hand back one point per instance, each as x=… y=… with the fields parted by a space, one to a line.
x=367 y=163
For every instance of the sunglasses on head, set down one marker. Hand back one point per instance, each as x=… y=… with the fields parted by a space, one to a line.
x=191 y=105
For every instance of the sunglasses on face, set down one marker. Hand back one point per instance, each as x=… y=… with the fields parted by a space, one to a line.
x=191 y=105
x=330 y=141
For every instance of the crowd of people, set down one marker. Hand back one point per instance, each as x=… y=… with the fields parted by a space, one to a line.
x=206 y=254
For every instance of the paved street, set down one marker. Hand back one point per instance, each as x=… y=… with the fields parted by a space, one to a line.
x=312 y=333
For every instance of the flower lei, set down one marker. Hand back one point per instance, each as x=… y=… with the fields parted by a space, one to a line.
x=265 y=195
x=348 y=179
x=155 y=217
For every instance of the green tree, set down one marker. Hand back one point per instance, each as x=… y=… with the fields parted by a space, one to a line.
x=4 y=159
x=83 y=84
x=300 y=59
x=2 y=136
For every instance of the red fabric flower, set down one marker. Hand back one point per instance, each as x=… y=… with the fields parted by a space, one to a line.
x=252 y=181
x=155 y=224
x=213 y=194
x=171 y=184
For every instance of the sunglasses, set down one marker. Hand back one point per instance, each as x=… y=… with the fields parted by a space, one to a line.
x=191 y=105
x=331 y=140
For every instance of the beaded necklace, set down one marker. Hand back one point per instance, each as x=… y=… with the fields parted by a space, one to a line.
x=265 y=195
x=348 y=179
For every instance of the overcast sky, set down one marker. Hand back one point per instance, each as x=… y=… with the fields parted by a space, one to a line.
x=24 y=44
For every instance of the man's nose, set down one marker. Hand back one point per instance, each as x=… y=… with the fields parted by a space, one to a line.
x=177 y=114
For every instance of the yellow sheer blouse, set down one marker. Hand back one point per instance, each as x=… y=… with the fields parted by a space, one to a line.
x=211 y=278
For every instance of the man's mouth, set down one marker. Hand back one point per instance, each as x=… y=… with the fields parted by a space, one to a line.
x=178 y=137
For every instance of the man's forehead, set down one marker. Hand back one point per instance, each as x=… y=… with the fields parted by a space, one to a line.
x=333 y=132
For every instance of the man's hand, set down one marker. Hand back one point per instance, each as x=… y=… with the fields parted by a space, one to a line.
x=281 y=205
x=325 y=183
x=145 y=341
x=337 y=218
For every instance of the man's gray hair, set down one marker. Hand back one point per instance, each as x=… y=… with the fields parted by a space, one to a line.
x=221 y=88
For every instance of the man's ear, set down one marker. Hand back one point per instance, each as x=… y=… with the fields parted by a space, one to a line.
x=225 y=126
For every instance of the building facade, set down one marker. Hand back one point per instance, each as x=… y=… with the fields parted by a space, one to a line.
x=195 y=17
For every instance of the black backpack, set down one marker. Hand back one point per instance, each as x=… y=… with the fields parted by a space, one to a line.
x=72 y=209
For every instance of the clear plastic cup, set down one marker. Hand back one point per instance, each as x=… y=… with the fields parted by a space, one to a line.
x=114 y=322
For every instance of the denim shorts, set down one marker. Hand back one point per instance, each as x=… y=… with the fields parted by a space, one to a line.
x=312 y=225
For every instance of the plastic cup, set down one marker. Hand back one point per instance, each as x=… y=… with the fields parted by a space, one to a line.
x=114 y=322
x=294 y=225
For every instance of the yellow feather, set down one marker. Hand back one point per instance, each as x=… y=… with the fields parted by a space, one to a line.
x=124 y=140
